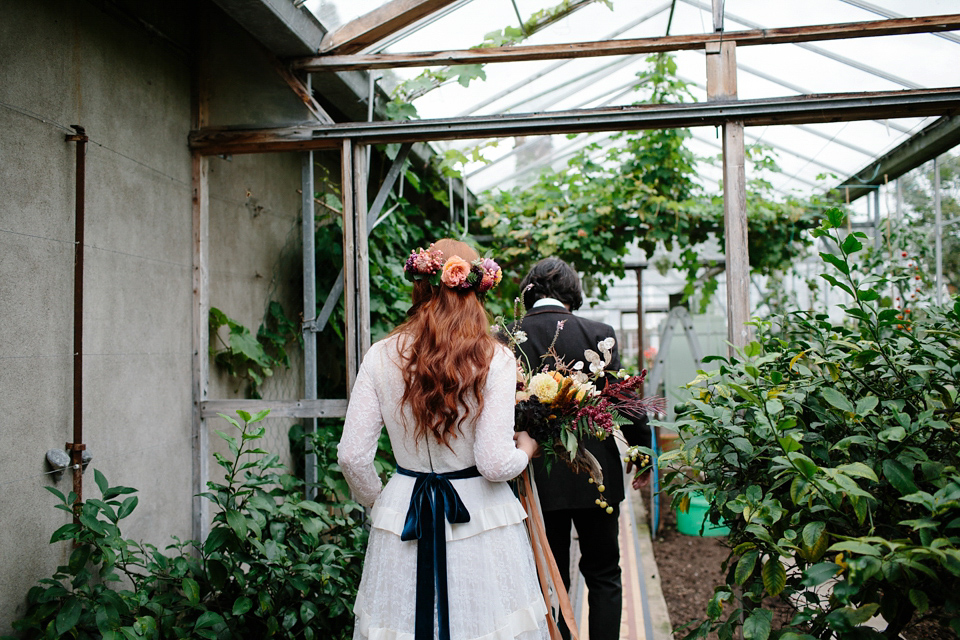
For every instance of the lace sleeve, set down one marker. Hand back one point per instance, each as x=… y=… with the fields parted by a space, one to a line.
x=498 y=458
x=361 y=431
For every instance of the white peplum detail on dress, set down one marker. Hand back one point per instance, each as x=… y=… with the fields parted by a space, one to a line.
x=493 y=590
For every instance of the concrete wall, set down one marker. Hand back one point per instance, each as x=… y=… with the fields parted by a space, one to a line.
x=76 y=62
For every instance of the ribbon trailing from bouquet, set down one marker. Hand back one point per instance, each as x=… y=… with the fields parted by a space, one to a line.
x=547 y=570
x=434 y=500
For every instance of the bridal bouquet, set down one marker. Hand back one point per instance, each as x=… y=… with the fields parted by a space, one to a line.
x=562 y=405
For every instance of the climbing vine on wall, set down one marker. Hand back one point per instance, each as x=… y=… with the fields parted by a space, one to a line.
x=249 y=358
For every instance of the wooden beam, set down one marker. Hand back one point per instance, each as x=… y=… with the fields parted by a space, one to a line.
x=349 y=263
x=722 y=87
x=278 y=408
x=360 y=255
x=898 y=26
x=378 y=24
x=816 y=108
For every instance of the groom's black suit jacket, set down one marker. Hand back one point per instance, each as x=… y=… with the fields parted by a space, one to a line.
x=561 y=488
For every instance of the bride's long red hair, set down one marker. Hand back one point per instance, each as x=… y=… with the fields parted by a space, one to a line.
x=446 y=348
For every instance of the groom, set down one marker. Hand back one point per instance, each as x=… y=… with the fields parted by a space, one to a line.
x=550 y=292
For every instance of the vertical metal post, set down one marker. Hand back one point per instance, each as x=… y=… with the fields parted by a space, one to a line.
x=466 y=206
x=640 y=328
x=938 y=226
x=371 y=94
x=76 y=447
x=717 y=15
x=876 y=218
x=450 y=195
x=309 y=312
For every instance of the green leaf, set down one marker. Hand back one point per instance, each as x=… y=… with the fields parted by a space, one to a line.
x=69 y=615
x=308 y=611
x=745 y=566
x=804 y=464
x=814 y=539
x=774 y=576
x=192 y=590
x=101 y=481
x=835 y=218
x=857 y=547
x=260 y=416
x=757 y=625
x=836 y=262
x=866 y=404
x=237 y=522
x=859 y=470
x=850 y=244
x=208 y=619
x=746 y=395
x=241 y=605
x=899 y=476
x=837 y=399
x=819 y=573
x=127 y=507
x=919 y=600
x=57 y=493
x=65 y=532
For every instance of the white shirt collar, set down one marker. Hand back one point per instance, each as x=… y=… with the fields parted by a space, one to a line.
x=547 y=302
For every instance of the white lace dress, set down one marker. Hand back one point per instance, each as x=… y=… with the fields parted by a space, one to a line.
x=493 y=590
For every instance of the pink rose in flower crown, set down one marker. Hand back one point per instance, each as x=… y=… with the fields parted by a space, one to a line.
x=455 y=272
x=491 y=275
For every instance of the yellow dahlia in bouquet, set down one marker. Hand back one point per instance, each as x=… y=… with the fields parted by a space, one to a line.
x=564 y=404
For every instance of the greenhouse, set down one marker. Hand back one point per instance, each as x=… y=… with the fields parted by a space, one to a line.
x=717 y=240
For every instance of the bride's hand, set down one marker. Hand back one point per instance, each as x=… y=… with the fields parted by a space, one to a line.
x=526 y=444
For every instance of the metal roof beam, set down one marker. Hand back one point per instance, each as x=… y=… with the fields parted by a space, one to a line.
x=932 y=141
x=767 y=111
x=923 y=24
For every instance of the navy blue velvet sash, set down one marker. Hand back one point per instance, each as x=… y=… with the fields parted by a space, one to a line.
x=433 y=499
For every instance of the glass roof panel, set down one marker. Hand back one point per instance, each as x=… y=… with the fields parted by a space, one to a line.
x=811 y=157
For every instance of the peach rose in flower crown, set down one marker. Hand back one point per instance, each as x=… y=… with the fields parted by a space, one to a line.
x=455 y=272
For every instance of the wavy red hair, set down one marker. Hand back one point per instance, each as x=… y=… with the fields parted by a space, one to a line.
x=445 y=353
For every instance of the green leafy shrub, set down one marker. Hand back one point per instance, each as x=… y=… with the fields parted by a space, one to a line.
x=832 y=451
x=273 y=566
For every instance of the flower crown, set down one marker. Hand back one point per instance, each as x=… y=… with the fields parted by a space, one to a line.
x=427 y=264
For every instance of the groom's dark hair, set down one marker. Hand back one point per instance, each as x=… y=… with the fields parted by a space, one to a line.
x=552 y=278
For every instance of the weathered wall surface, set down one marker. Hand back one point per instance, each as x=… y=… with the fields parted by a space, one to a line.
x=73 y=62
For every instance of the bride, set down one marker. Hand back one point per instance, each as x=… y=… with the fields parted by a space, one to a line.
x=448 y=556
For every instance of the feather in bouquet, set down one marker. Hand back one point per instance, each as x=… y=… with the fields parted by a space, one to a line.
x=561 y=405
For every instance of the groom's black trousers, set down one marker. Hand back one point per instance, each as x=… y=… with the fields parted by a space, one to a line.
x=599 y=564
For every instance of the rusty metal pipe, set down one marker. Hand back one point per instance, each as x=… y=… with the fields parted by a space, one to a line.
x=76 y=447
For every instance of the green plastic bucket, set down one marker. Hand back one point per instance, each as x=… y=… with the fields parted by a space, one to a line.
x=689 y=523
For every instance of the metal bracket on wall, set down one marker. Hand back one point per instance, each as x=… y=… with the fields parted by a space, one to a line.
x=317 y=324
